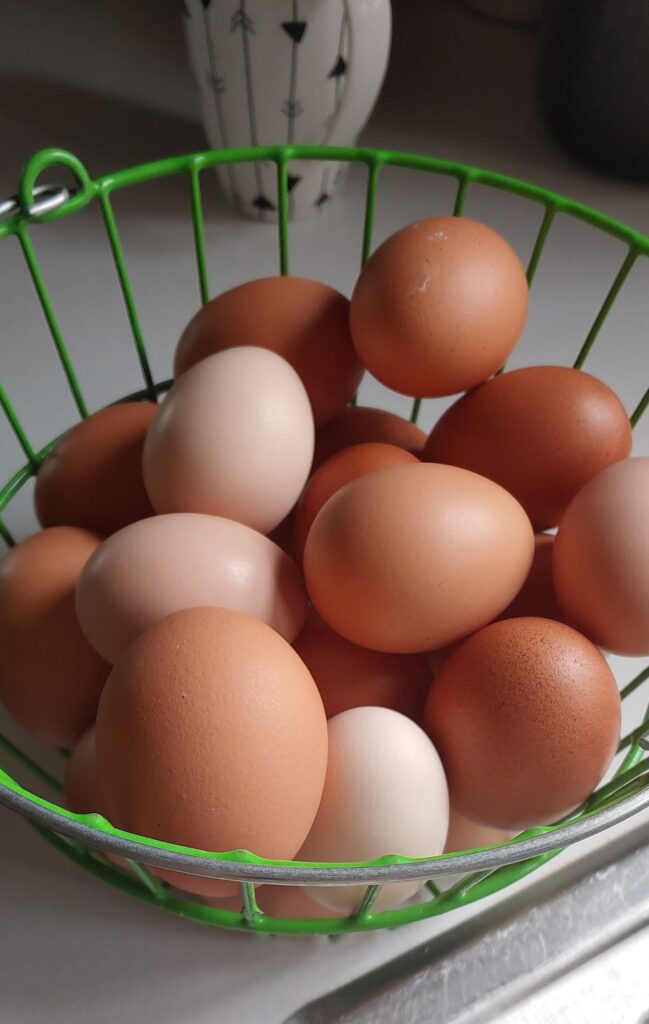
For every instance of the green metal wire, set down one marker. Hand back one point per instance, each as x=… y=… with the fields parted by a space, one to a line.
x=127 y=291
x=199 y=234
x=134 y=878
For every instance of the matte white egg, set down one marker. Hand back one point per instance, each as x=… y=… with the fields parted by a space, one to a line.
x=385 y=792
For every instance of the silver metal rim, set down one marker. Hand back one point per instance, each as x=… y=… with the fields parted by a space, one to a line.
x=464 y=863
x=46 y=199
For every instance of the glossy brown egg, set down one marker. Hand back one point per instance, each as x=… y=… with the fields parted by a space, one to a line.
x=361 y=424
x=537 y=596
x=439 y=307
x=342 y=467
x=525 y=715
x=304 y=321
x=93 y=477
x=541 y=432
x=349 y=676
x=211 y=733
x=410 y=558
x=50 y=677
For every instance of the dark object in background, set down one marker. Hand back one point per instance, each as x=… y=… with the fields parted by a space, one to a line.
x=595 y=82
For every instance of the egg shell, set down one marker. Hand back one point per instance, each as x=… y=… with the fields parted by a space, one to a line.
x=540 y=432
x=164 y=564
x=410 y=558
x=304 y=321
x=280 y=901
x=93 y=476
x=82 y=792
x=350 y=676
x=50 y=677
x=81 y=786
x=464 y=834
x=211 y=733
x=601 y=558
x=360 y=424
x=342 y=467
x=537 y=596
x=439 y=307
x=525 y=715
x=385 y=793
x=233 y=437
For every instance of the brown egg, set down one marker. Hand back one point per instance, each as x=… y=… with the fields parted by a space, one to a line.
x=292 y=901
x=81 y=787
x=360 y=425
x=410 y=558
x=50 y=677
x=349 y=676
x=541 y=432
x=537 y=597
x=211 y=734
x=466 y=835
x=439 y=307
x=526 y=718
x=601 y=558
x=304 y=321
x=82 y=791
x=342 y=467
x=93 y=477
x=279 y=901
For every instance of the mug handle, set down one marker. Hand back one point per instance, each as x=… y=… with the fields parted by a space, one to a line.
x=370 y=31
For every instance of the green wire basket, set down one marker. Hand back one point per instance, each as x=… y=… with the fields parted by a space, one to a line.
x=88 y=838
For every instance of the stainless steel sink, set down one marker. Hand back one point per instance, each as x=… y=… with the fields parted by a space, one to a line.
x=573 y=949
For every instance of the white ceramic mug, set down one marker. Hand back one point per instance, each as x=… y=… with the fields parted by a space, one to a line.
x=286 y=71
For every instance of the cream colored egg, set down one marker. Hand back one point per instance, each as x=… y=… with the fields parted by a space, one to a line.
x=385 y=793
x=234 y=437
x=167 y=563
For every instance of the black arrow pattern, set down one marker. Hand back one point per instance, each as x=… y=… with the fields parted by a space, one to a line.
x=263 y=203
x=339 y=68
x=295 y=29
x=292 y=180
x=240 y=20
x=292 y=109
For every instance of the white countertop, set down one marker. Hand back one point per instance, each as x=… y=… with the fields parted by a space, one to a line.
x=75 y=951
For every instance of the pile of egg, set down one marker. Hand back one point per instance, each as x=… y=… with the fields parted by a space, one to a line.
x=265 y=619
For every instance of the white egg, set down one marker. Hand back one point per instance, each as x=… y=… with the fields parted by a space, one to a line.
x=233 y=438
x=385 y=792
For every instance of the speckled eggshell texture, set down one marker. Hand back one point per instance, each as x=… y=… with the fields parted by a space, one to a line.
x=526 y=717
x=211 y=734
